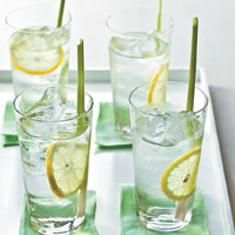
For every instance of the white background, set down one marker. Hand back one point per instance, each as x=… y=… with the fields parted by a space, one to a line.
x=216 y=36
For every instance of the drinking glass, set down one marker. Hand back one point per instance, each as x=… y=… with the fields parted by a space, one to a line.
x=167 y=144
x=138 y=53
x=54 y=144
x=39 y=50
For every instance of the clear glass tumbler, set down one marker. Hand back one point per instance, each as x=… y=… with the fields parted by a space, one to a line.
x=39 y=50
x=138 y=53
x=167 y=144
x=54 y=143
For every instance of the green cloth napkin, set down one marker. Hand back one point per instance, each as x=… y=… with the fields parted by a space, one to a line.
x=131 y=226
x=87 y=228
x=9 y=133
x=106 y=135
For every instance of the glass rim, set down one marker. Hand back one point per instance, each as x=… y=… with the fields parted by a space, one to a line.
x=112 y=29
x=205 y=97
x=12 y=26
x=90 y=108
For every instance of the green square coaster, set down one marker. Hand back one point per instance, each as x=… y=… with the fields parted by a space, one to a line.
x=106 y=135
x=87 y=228
x=9 y=122
x=131 y=226
x=9 y=140
x=9 y=132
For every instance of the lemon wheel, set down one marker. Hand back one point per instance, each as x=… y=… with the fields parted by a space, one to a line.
x=37 y=63
x=66 y=165
x=178 y=180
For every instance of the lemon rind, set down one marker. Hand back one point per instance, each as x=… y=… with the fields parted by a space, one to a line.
x=173 y=165
x=153 y=84
x=40 y=72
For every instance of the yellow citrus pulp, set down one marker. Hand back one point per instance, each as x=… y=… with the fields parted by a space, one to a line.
x=178 y=181
x=36 y=63
x=66 y=164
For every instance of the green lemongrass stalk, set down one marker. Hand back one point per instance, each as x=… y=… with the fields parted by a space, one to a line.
x=183 y=205
x=193 y=67
x=83 y=193
x=159 y=17
x=81 y=78
x=64 y=72
x=61 y=14
x=82 y=122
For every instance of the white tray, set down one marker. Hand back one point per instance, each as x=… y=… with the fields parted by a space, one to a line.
x=110 y=169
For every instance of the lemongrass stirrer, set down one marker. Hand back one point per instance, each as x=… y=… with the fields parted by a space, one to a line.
x=159 y=17
x=81 y=78
x=61 y=14
x=183 y=205
x=193 y=67
x=82 y=125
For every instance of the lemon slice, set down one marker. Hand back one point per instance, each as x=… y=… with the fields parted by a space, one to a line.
x=178 y=180
x=153 y=83
x=65 y=167
x=36 y=62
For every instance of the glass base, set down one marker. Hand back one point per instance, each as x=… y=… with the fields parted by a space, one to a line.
x=163 y=219
x=57 y=225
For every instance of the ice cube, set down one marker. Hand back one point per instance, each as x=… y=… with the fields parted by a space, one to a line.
x=123 y=45
x=169 y=128
x=150 y=46
x=182 y=126
x=48 y=107
x=33 y=155
x=154 y=128
x=140 y=45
